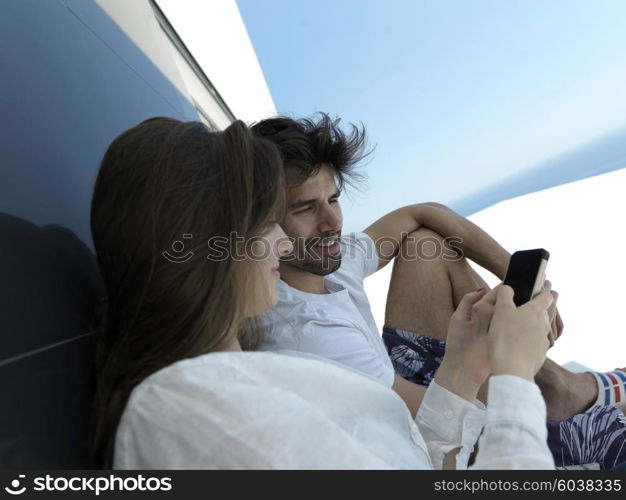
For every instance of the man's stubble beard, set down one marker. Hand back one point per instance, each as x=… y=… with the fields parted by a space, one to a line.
x=319 y=267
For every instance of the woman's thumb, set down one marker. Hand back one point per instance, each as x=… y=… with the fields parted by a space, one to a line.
x=468 y=300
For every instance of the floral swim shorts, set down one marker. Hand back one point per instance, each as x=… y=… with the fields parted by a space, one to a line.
x=595 y=439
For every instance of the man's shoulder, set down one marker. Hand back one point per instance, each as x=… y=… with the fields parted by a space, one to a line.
x=290 y=301
x=295 y=319
x=356 y=240
x=359 y=258
x=294 y=308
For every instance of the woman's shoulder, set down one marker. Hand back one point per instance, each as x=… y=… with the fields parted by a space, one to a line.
x=243 y=410
x=210 y=402
x=229 y=373
x=210 y=388
x=213 y=371
x=239 y=380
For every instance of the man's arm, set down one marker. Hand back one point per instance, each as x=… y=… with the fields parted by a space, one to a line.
x=389 y=232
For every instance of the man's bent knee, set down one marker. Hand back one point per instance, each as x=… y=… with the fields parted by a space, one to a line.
x=426 y=246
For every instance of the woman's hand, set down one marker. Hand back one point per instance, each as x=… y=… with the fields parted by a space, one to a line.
x=466 y=363
x=518 y=336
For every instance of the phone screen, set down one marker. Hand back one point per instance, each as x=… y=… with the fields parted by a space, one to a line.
x=526 y=273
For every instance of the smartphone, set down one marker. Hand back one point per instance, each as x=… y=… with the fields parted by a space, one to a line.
x=526 y=273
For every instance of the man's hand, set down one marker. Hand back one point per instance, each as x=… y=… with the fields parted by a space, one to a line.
x=556 y=323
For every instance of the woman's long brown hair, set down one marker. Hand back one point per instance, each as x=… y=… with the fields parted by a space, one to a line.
x=159 y=181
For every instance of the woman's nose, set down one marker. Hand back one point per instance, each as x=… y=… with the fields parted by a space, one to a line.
x=283 y=243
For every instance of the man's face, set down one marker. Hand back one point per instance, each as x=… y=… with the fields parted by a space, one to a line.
x=313 y=220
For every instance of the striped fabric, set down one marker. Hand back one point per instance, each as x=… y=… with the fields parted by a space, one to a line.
x=611 y=388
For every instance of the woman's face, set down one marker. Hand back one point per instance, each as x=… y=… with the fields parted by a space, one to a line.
x=263 y=257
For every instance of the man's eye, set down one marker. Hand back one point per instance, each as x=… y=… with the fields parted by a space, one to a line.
x=303 y=210
x=334 y=200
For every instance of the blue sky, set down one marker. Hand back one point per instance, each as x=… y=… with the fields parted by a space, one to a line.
x=456 y=95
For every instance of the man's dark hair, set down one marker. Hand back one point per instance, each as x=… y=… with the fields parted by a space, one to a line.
x=306 y=144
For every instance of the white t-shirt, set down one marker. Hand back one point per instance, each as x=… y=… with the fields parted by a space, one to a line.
x=260 y=410
x=339 y=325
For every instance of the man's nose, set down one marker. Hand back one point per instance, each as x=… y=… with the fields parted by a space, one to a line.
x=330 y=218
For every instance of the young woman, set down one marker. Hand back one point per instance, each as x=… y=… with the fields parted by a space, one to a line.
x=183 y=220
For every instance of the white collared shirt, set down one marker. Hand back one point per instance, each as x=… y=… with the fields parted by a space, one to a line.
x=260 y=410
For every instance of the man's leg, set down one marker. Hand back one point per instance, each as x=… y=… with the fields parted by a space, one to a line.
x=424 y=291
x=423 y=294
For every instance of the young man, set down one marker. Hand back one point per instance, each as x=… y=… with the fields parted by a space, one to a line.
x=323 y=308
